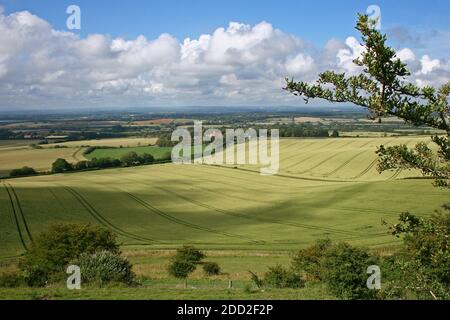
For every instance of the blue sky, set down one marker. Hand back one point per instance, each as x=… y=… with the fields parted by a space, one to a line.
x=136 y=53
x=316 y=21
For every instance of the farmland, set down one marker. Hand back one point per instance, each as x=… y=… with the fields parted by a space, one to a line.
x=325 y=188
x=329 y=189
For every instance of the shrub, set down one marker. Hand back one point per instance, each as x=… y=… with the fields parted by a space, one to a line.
x=52 y=250
x=256 y=280
x=60 y=166
x=10 y=279
x=189 y=254
x=279 y=277
x=308 y=261
x=344 y=271
x=104 y=267
x=130 y=159
x=146 y=158
x=36 y=275
x=211 y=268
x=181 y=269
x=24 y=171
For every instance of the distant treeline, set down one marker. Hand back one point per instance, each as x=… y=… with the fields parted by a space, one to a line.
x=60 y=165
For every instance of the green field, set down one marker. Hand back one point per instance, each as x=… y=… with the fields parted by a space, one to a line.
x=326 y=188
x=245 y=221
x=155 y=151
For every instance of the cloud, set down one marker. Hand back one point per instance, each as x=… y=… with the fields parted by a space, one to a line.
x=239 y=64
x=428 y=64
x=406 y=55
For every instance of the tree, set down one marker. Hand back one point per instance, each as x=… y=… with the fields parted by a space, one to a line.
x=344 y=271
x=130 y=159
x=382 y=89
x=53 y=249
x=61 y=165
x=146 y=158
x=185 y=262
x=423 y=264
x=24 y=171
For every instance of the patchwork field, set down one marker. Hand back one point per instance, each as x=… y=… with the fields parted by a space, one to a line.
x=326 y=188
x=12 y=157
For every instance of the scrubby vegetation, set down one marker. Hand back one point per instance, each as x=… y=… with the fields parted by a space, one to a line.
x=52 y=251
x=103 y=267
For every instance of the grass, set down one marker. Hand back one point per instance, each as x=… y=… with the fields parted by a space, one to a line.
x=117 y=153
x=150 y=268
x=167 y=290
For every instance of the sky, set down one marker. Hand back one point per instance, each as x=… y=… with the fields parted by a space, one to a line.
x=196 y=52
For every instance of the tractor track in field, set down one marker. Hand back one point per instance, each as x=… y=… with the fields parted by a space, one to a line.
x=364 y=172
x=102 y=220
x=348 y=161
x=185 y=223
x=324 y=161
x=370 y=166
x=307 y=158
x=245 y=216
x=75 y=154
x=302 y=148
x=22 y=215
x=16 y=219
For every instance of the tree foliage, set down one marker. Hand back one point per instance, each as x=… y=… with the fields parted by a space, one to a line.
x=52 y=250
x=381 y=87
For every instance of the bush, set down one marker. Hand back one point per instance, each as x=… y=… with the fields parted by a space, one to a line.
x=104 y=267
x=189 y=254
x=181 y=269
x=279 y=277
x=256 y=280
x=10 y=279
x=211 y=268
x=308 y=261
x=130 y=159
x=24 y=171
x=36 y=275
x=344 y=271
x=52 y=250
x=60 y=166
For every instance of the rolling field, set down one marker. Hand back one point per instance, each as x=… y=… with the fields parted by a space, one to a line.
x=326 y=188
